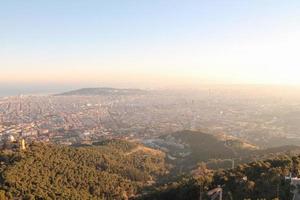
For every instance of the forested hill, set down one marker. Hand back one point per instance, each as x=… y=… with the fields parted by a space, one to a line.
x=110 y=170
x=103 y=91
x=217 y=151
x=118 y=169
x=252 y=181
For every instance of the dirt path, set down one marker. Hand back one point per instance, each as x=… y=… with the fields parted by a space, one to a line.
x=144 y=149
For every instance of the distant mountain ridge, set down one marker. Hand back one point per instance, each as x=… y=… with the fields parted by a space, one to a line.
x=102 y=91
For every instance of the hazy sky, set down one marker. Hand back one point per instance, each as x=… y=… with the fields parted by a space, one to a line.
x=144 y=43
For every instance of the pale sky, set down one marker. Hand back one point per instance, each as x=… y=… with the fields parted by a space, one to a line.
x=135 y=43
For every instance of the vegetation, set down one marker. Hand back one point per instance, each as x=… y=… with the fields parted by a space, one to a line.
x=117 y=169
x=108 y=170
x=219 y=151
x=256 y=180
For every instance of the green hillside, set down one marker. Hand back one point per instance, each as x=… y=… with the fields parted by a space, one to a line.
x=252 y=181
x=205 y=146
x=109 y=170
x=189 y=148
x=117 y=169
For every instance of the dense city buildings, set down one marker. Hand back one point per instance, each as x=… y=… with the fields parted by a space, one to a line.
x=71 y=119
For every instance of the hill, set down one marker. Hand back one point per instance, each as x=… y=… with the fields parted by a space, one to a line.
x=112 y=169
x=118 y=169
x=185 y=149
x=255 y=180
x=103 y=91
